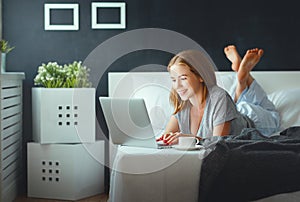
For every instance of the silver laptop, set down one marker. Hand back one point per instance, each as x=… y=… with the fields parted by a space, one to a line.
x=128 y=122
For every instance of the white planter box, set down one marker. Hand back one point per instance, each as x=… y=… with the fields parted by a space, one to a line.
x=65 y=171
x=63 y=115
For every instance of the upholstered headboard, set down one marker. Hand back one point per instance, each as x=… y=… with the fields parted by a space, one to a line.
x=283 y=88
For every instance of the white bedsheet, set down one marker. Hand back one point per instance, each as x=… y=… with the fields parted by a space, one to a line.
x=160 y=175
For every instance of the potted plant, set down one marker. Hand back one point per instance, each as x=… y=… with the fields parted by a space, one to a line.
x=4 y=48
x=63 y=106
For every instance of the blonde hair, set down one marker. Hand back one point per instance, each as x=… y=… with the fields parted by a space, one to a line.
x=175 y=99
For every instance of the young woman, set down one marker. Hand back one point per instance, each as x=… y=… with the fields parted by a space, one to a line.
x=203 y=109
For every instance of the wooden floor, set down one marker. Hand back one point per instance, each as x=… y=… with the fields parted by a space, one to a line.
x=98 y=198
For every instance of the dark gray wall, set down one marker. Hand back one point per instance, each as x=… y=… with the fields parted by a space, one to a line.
x=271 y=25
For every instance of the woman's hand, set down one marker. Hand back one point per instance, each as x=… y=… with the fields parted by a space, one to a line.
x=171 y=138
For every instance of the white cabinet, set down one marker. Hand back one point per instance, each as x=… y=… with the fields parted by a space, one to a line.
x=65 y=171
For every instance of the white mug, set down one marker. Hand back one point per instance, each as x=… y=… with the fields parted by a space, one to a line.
x=187 y=142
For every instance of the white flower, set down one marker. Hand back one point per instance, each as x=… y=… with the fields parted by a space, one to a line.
x=69 y=75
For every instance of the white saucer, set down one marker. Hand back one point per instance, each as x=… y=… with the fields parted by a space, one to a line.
x=188 y=148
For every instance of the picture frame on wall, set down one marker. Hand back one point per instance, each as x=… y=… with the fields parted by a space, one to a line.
x=102 y=5
x=47 y=17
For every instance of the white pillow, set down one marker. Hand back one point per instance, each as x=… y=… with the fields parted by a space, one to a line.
x=226 y=81
x=287 y=102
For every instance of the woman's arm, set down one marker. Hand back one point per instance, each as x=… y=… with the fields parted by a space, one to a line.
x=172 y=125
x=171 y=133
x=222 y=129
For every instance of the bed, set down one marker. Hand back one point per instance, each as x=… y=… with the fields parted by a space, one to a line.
x=143 y=174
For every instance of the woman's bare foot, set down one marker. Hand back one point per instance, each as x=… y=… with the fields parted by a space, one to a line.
x=233 y=56
x=245 y=79
x=250 y=59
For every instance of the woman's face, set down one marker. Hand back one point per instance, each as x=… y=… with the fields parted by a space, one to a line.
x=185 y=82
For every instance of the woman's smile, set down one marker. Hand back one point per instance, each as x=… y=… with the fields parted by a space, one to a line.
x=181 y=92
